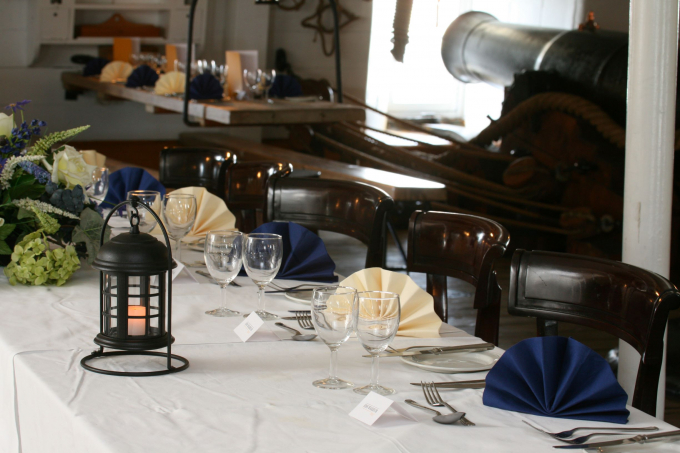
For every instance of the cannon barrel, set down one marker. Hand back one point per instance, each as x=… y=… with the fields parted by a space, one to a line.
x=478 y=48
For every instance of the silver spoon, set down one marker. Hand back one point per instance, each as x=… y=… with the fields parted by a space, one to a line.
x=297 y=336
x=448 y=419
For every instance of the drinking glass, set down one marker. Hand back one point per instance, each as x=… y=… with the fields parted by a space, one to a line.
x=179 y=215
x=266 y=81
x=377 y=321
x=252 y=80
x=262 y=253
x=332 y=311
x=99 y=186
x=152 y=198
x=223 y=256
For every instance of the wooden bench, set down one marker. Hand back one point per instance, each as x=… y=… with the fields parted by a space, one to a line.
x=399 y=187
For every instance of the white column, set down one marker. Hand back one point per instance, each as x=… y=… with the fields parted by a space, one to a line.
x=650 y=130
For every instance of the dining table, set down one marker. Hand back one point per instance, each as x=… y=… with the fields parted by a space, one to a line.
x=235 y=396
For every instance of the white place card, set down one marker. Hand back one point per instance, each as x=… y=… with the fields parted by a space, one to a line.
x=248 y=327
x=374 y=406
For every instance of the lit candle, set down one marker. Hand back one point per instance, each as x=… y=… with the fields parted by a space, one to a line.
x=136 y=326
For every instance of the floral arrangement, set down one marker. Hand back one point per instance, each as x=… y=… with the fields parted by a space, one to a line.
x=47 y=222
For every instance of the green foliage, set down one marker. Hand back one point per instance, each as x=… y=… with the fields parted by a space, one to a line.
x=44 y=145
x=33 y=263
x=89 y=232
x=25 y=186
x=5 y=231
x=48 y=223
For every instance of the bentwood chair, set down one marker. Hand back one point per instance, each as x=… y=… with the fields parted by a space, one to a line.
x=351 y=208
x=446 y=244
x=623 y=300
x=247 y=189
x=202 y=167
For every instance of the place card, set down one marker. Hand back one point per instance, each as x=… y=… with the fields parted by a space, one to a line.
x=248 y=327
x=374 y=406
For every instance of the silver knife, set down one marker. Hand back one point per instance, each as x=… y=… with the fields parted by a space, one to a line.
x=474 y=384
x=639 y=439
x=440 y=350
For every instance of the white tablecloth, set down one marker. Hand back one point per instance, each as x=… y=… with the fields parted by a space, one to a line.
x=236 y=397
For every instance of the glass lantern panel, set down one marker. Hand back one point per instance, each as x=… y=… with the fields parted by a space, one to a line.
x=110 y=309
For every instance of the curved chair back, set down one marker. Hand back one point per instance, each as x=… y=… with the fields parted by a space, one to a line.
x=202 y=167
x=247 y=189
x=446 y=244
x=347 y=207
x=623 y=300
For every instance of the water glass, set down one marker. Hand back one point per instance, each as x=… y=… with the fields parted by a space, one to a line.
x=223 y=257
x=262 y=254
x=252 y=81
x=377 y=321
x=151 y=198
x=99 y=187
x=179 y=215
x=266 y=81
x=333 y=317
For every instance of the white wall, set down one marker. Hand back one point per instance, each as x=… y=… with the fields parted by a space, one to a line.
x=306 y=56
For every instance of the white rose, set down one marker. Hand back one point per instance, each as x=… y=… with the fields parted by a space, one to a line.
x=2 y=221
x=6 y=124
x=70 y=168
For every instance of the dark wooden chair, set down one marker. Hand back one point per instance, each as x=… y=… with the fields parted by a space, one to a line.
x=622 y=300
x=347 y=207
x=202 y=167
x=247 y=189
x=446 y=244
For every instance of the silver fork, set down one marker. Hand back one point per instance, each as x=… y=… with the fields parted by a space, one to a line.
x=305 y=321
x=563 y=435
x=288 y=288
x=434 y=399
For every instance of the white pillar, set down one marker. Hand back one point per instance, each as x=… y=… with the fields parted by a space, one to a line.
x=650 y=131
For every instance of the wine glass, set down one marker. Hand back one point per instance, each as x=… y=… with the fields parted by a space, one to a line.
x=252 y=80
x=151 y=198
x=377 y=321
x=266 y=81
x=333 y=310
x=223 y=256
x=99 y=186
x=262 y=254
x=179 y=215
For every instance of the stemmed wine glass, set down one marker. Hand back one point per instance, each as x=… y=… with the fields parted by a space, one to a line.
x=99 y=186
x=377 y=321
x=152 y=198
x=179 y=215
x=223 y=256
x=262 y=254
x=266 y=81
x=252 y=80
x=333 y=317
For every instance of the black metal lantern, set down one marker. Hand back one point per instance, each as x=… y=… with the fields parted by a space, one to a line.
x=134 y=313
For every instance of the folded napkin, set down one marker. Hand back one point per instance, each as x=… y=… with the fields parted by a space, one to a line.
x=285 y=86
x=211 y=214
x=130 y=178
x=304 y=254
x=92 y=157
x=205 y=86
x=142 y=76
x=94 y=66
x=170 y=83
x=556 y=377
x=115 y=71
x=418 y=318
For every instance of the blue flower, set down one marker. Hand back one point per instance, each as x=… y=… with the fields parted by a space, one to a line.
x=39 y=173
x=42 y=123
x=17 y=106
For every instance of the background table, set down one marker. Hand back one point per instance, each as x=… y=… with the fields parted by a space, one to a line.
x=255 y=396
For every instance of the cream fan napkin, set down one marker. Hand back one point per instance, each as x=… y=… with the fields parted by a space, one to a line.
x=211 y=214
x=418 y=318
x=115 y=71
x=92 y=157
x=170 y=83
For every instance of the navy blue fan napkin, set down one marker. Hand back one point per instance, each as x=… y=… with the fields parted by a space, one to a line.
x=285 y=86
x=94 y=66
x=127 y=179
x=304 y=253
x=556 y=377
x=142 y=76
x=205 y=86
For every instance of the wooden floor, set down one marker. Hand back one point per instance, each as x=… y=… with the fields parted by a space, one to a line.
x=349 y=256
